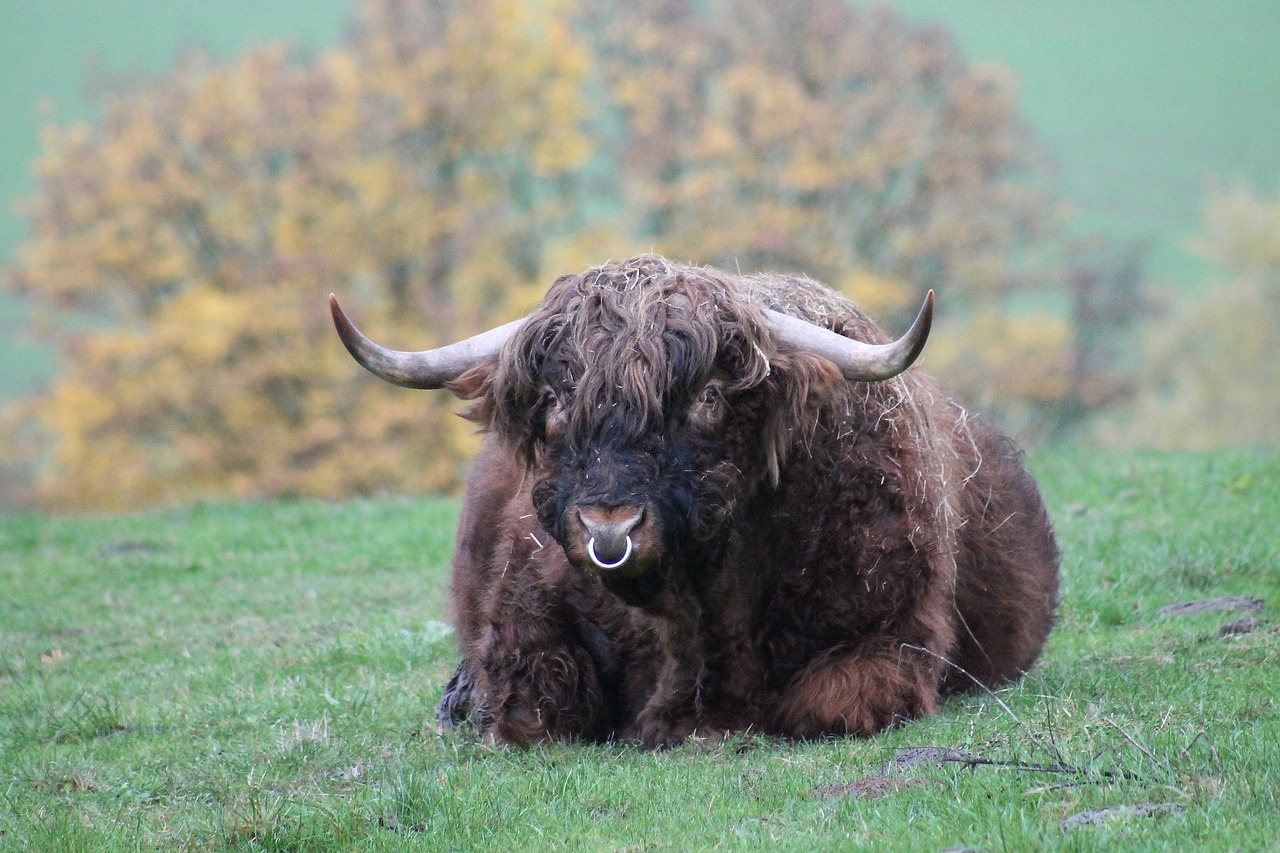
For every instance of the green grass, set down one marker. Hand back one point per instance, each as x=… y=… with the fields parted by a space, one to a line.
x=263 y=677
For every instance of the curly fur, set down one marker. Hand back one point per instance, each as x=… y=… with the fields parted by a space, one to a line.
x=817 y=556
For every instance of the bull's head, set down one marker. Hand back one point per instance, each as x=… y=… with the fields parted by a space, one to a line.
x=648 y=400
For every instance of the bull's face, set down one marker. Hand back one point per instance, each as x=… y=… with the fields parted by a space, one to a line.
x=649 y=401
x=645 y=416
x=622 y=501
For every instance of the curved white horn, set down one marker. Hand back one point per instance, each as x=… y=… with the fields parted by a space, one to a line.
x=431 y=368
x=857 y=360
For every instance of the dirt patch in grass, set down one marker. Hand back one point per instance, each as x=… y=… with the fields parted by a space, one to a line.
x=1238 y=626
x=931 y=756
x=867 y=787
x=1223 y=603
x=896 y=774
x=1106 y=814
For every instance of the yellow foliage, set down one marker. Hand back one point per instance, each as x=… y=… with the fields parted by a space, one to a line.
x=825 y=139
x=879 y=295
x=437 y=168
x=205 y=218
x=1005 y=361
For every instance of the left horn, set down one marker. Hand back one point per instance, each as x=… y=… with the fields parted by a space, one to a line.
x=858 y=361
x=433 y=368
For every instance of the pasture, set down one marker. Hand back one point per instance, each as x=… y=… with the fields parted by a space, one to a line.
x=264 y=677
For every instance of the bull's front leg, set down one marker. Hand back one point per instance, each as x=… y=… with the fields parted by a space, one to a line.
x=539 y=684
x=859 y=690
x=673 y=711
x=535 y=660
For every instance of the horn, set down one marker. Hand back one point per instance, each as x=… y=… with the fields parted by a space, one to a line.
x=433 y=368
x=858 y=361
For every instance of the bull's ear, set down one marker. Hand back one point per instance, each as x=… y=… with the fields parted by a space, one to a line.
x=475 y=383
x=798 y=381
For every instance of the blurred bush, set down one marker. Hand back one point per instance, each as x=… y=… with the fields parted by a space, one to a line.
x=449 y=158
x=1212 y=374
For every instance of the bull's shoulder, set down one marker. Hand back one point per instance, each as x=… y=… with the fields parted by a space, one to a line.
x=494 y=482
x=494 y=502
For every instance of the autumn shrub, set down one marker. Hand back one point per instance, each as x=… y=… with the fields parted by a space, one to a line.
x=1211 y=373
x=446 y=160
x=201 y=222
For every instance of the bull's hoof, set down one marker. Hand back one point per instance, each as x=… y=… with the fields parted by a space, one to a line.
x=662 y=731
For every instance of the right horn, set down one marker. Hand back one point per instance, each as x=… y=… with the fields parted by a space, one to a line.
x=858 y=361
x=432 y=368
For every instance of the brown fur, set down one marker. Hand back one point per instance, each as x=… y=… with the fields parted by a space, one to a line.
x=816 y=556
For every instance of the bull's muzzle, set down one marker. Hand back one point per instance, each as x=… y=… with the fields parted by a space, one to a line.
x=609 y=529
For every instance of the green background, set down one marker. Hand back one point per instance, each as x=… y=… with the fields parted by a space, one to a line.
x=1141 y=105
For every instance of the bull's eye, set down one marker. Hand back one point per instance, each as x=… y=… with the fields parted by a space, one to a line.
x=553 y=416
x=709 y=409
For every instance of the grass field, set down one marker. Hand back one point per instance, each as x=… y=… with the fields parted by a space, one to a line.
x=263 y=677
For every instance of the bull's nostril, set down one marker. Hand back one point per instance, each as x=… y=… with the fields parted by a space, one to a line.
x=610 y=522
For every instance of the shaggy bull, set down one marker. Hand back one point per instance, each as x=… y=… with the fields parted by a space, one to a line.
x=710 y=502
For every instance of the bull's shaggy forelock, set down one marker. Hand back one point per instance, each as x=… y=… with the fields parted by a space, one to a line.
x=627 y=346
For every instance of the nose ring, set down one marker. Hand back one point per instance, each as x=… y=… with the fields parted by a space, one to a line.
x=591 y=552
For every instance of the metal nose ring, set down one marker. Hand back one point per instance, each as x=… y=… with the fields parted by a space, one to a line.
x=591 y=552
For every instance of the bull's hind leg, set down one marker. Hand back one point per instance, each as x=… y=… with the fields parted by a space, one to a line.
x=859 y=690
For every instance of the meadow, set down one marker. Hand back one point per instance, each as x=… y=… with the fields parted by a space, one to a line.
x=263 y=677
